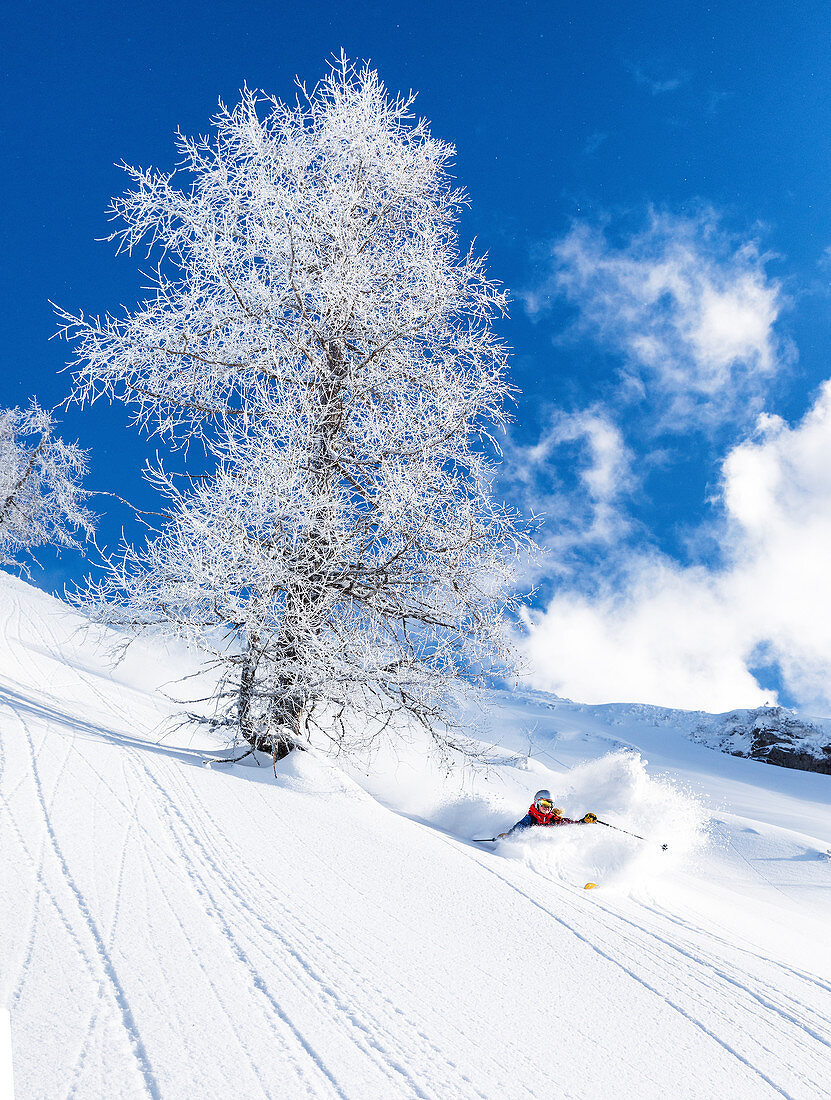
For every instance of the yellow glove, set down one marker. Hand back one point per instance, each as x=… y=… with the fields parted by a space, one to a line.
x=589 y=819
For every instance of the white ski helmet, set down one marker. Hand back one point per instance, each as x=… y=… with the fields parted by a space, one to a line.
x=544 y=804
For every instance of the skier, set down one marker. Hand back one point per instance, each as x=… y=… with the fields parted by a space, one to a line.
x=542 y=811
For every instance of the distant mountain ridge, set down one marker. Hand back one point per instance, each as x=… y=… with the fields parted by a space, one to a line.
x=775 y=735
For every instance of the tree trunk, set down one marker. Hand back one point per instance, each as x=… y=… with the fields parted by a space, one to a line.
x=271 y=724
x=277 y=716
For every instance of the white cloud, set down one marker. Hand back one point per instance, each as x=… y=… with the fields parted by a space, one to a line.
x=662 y=633
x=667 y=639
x=690 y=309
x=593 y=509
x=656 y=85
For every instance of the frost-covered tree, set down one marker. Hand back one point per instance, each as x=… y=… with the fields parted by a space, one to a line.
x=41 y=498
x=314 y=326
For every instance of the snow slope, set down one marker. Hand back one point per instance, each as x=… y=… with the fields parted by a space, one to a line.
x=176 y=930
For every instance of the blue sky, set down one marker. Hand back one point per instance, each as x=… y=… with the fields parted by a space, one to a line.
x=650 y=181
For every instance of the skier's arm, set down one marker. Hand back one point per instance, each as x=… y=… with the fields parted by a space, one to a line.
x=524 y=823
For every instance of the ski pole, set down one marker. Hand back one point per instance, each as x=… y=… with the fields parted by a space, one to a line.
x=618 y=828
x=635 y=835
x=484 y=839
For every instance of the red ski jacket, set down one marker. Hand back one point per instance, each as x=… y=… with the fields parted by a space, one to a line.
x=537 y=817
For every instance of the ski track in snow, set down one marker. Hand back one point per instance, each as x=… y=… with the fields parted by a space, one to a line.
x=423 y=1052
x=585 y=929
x=268 y=889
x=77 y=1068
x=298 y=971
x=708 y=934
x=89 y=922
x=314 y=945
x=247 y=1051
x=30 y=936
x=292 y=1034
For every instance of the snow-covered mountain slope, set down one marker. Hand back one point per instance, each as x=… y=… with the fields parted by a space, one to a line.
x=175 y=930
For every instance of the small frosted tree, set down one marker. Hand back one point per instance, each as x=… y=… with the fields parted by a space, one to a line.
x=315 y=328
x=41 y=494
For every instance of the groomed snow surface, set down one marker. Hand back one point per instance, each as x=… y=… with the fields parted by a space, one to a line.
x=169 y=929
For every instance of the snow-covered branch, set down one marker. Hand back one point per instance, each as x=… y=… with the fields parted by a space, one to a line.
x=41 y=499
